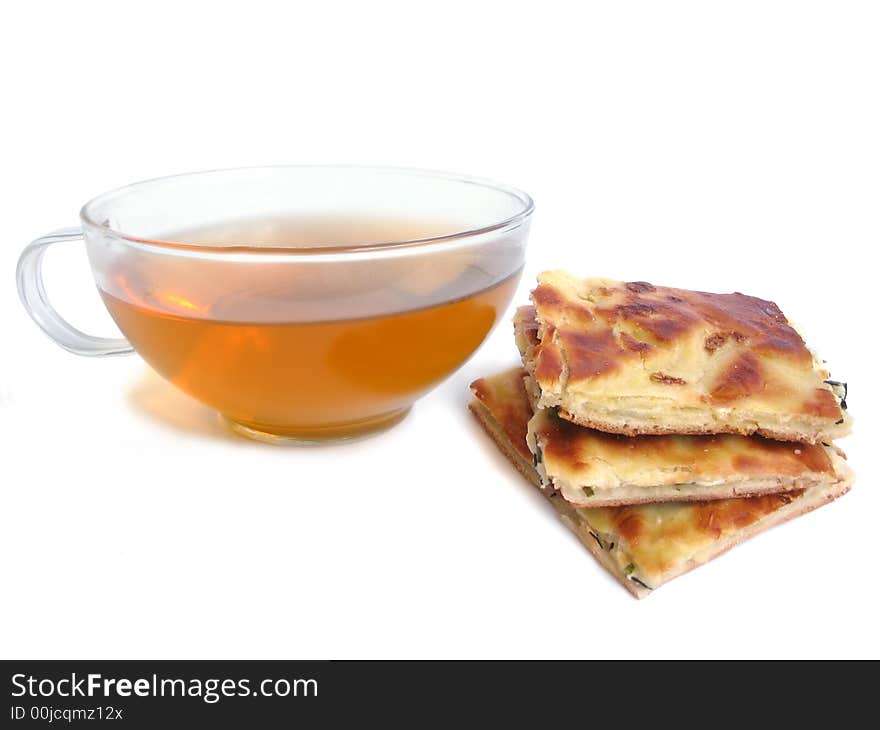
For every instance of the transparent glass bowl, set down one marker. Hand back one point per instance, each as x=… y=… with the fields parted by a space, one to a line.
x=302 y=303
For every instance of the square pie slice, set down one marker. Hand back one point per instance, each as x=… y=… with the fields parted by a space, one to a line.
x=633 y=358
x=642 y=546
x=597 y=469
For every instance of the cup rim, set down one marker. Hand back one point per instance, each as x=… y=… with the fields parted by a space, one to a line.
x=513 y=221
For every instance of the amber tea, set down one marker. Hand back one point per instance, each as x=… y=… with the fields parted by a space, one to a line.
x=309 y=350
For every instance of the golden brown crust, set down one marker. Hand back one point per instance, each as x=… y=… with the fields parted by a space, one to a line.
x=633 y=358
x=503 y=442
x=661 y=541
x=712 y=455
x=720 y=526
x=510 y=440
x=631 y=428
x=596 y=468
x=570 y=517
x=505 y=395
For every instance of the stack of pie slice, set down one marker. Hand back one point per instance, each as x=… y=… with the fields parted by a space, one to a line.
x=665 y=425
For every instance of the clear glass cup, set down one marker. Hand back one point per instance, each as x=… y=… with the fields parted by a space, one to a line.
x=304 y=304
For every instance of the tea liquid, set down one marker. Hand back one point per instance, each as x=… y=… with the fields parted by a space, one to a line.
x=272 y=355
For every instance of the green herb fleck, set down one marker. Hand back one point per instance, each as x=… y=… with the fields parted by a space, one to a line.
x=538 y=455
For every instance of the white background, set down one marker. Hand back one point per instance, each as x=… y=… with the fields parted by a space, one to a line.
x=722 y=146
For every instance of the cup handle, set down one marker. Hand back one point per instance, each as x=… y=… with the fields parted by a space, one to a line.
x=29 y=277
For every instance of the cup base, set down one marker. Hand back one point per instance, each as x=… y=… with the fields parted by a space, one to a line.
x=318 y=435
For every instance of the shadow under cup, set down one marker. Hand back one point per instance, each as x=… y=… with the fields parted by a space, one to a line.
x=307 y=303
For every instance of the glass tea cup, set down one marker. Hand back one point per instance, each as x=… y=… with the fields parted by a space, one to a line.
x=304 y=304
